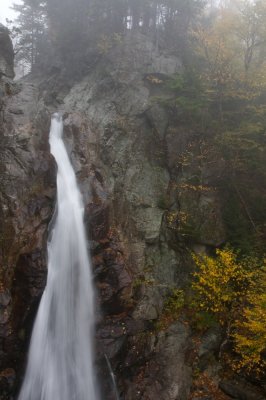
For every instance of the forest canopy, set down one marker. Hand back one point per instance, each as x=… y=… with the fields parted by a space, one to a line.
x=63 y=22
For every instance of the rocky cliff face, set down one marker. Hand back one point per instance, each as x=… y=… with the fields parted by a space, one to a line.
x=126 y=152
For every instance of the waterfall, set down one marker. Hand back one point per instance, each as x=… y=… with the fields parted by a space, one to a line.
x=112 y=375
x=60 y=364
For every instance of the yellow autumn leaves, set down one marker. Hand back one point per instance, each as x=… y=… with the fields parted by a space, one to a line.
x=233 y=290
x=250 y=333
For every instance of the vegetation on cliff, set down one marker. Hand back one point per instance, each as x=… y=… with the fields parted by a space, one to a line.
x=224 y=99
x=232 y=290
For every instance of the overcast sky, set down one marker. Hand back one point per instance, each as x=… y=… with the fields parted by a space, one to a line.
x=5 y=11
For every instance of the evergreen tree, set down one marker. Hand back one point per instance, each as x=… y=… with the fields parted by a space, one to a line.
x=32 y=24
x=76 y=27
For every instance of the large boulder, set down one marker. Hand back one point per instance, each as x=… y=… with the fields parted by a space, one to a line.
x=241 y=390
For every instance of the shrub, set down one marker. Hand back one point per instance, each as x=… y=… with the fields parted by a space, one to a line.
x=221 y=283
x=233 y=292
x=250 y=329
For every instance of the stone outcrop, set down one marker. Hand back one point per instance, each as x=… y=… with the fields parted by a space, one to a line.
x=6 y=54
x=6 y=70
x=121 y=145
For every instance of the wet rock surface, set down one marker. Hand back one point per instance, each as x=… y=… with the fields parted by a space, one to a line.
x=27 y=199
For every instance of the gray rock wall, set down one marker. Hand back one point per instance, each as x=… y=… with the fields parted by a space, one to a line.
x=125 y=159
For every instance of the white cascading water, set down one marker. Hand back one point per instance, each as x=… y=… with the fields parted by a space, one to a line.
x=60 y=365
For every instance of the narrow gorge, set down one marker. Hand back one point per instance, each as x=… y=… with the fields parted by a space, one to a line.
x=136 y=162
